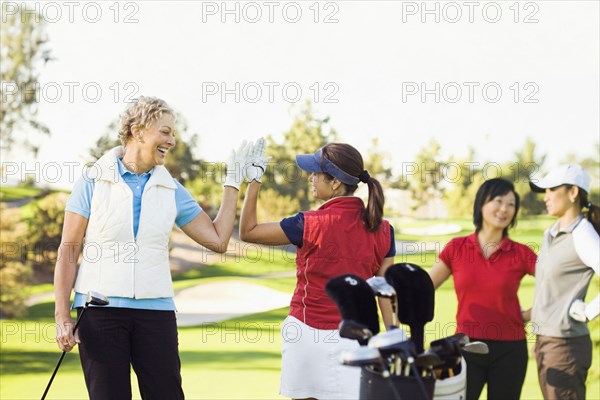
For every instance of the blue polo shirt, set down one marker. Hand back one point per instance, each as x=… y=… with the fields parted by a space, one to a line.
x=80 y=202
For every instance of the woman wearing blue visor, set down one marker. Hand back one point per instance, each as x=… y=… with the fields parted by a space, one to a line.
x=342 y=236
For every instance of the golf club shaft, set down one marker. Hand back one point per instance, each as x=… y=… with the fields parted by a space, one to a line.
x=419 y=380
x=62 y=355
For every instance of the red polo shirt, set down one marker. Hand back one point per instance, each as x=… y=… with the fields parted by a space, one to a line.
x=488 y=305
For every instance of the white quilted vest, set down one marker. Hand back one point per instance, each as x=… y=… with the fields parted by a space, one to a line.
x=114 y=262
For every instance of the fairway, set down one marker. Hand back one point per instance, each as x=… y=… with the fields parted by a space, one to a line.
x=234 y=359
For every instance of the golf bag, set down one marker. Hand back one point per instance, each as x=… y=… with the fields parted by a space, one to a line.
x=393 y=367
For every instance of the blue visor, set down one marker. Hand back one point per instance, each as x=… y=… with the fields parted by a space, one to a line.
x=317 y=163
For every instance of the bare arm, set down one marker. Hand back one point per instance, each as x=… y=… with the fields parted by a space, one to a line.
x=526 y=314
x=215 y=235
x=74 y=228
x=385 y=305
x=439 y=273
x=253 y=232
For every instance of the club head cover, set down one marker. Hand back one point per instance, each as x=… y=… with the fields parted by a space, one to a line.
x=416 y=298
x=355 y=300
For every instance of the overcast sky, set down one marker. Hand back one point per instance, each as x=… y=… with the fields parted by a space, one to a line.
x=485 y=74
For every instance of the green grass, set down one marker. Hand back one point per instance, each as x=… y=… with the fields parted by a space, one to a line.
x=39 y=289
x=239 y=358
x=235 y=359
x=17 y=193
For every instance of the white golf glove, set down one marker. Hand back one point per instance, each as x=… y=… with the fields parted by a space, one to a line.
x=256 y=163
x=582 y=312
x=577 y=311
x=235 y=165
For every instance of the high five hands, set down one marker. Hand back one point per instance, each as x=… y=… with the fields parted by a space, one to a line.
x=247 y=163
x=256 y=163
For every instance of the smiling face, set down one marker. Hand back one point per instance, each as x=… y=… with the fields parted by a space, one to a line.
x=154 y=141
x=499 y=212
x=320 y=186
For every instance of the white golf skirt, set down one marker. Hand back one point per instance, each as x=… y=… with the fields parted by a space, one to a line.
x=310 y=363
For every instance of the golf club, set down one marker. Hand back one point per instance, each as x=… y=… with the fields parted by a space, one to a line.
x=354 y=299
x=476 y=347
x=428 y=360
x=93 y=298
x=416 y=297
x=364 y=356
x=350 y=329
x=367 y=357
x=401 y=353
x=388 y=345
x=382 y=288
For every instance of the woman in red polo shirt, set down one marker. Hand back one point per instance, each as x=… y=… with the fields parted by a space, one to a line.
x=487 y=268
x=342 y=236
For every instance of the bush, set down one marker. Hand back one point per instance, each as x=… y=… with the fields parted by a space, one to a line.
x=15 y=271
x=45 y=231
x=273 y=207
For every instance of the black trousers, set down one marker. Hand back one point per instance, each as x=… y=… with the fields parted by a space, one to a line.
x=113 y=339
x=503 y=369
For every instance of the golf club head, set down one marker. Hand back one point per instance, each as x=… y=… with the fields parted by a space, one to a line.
x=96 y=299
x=394 y=343
x=354 y=299
x=360 y=357
x=448 y=350
x=381 y=287
x=450 y=345
x=428 y=360
x=365 y=357
x=387 y=339
x=350 y=329
x=476 y=347
x=460 y=338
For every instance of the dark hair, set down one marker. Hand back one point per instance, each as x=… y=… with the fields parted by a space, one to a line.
x=488 y=191
x=349 y=160
x=593 y=214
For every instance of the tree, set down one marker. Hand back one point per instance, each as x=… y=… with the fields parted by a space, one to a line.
x=24 y=47
x=527 y=163
x=377 y=163
x=464 y=178
x=307 y=134
x=425 y=176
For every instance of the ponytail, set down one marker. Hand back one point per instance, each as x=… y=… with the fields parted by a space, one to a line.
x=374 y=212
x=593 y=214
x=347 y=159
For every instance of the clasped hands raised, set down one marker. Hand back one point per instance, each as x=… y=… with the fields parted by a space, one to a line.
x=247 y=163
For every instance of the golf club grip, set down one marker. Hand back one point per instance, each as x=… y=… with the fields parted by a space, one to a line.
x=62 y=355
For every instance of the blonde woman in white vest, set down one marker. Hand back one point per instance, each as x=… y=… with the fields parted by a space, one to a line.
x=121 y=214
